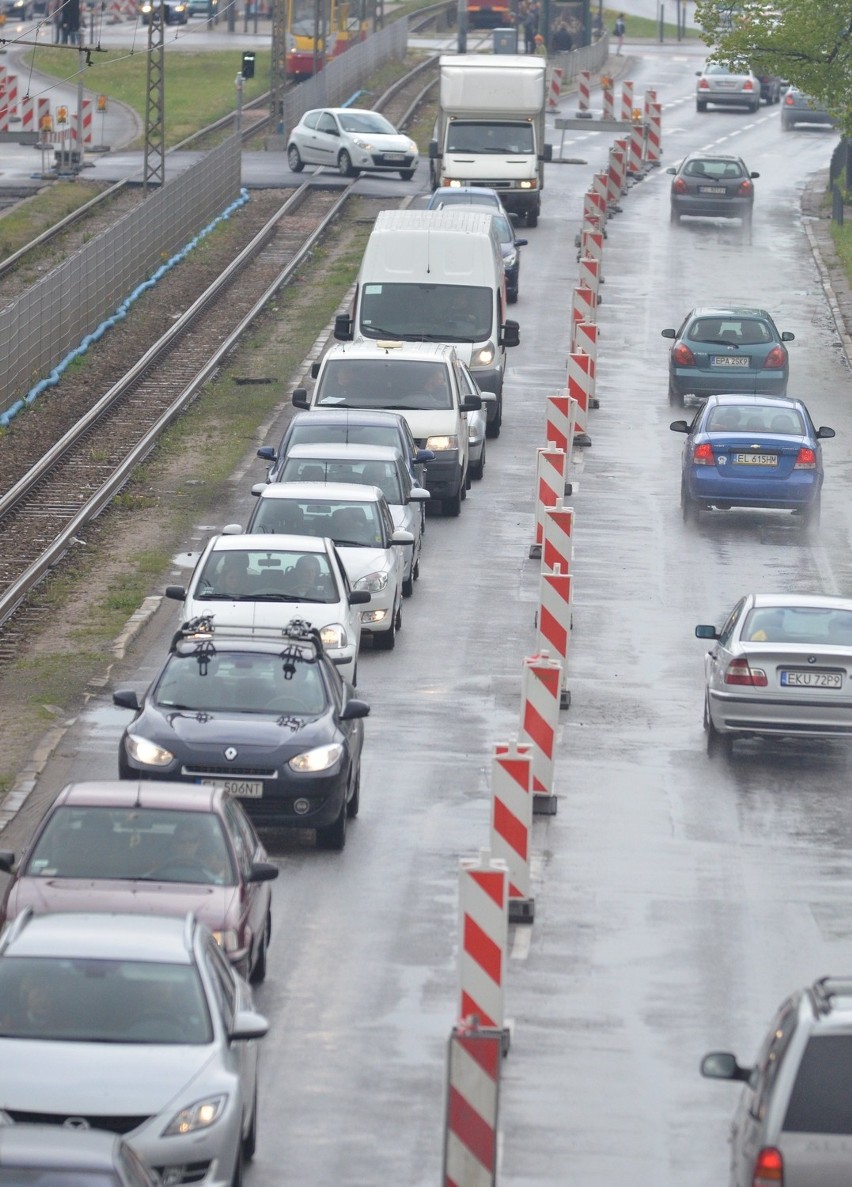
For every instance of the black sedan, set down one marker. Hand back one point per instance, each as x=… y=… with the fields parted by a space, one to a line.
x=712 y=186
x=270 y=721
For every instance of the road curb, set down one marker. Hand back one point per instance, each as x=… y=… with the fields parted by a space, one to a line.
x=811 y=222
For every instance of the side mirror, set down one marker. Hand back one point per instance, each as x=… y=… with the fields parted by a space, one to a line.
x=248 y=1025
x=668 y=333
x=721 y=1065
x=7 y=860
x=258 y=489
x=510 y=333
x=547 y=152
x=267 y=452
x=300 y=398
x=176 y=592
x=471 y=403
x=787 y=336
x=424 y=455
x=262 y=871
x=521 y=242
x=825 y=431
x=315 y=369
x=232 y=529
x=754 y=175
x=342 y=328
x=706 y=632
x=126 y=698
x=402 y=536
x=418 y=494
x=433 y=150
x=359 y=597
x=679 y=426
x=671 y=170
x=354 y=708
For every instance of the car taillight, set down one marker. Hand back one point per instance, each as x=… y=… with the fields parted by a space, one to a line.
x=703 y=455
x=748 y=85
x=745 y=189
x=682 y=356
x=740 y=671
x=679 y=186
x=788 y=99
x=703 y=84
x=769 y=1168
x=806 y=459
x=776 y=359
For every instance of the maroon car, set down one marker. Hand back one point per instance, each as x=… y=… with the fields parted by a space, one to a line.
x=152 y=848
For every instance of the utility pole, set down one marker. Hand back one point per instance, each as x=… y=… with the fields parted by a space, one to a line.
x=155 y=137
x=278 y=68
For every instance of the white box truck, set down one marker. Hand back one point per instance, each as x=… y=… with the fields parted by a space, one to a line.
x=490 y=128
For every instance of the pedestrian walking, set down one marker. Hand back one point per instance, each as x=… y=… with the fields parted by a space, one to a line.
x=618 y=30
x=529 y=32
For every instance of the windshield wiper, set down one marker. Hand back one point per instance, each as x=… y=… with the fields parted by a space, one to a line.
x=350 y=544
x=719 y=342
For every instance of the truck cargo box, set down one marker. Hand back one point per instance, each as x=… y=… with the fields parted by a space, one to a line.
x=509 y=83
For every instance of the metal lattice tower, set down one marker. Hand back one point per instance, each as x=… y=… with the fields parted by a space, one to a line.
x=155 y=129
x=277 y=72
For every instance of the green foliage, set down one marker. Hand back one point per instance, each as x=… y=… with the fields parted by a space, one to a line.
x=807 y=42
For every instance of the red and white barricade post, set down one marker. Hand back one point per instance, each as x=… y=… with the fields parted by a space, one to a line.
x=554 y=88
x=559 y=426
x=9 y=95
x=649 y=97
x=583 y=308
x=654 y=138
x=511 y=823
x=600 y=186
x=614 y=175
x=551 y=473
x=554 y=622
x=586 y=340
x=581 y=390
x=591 y=246
x=627 y=102
x=473 y=1099
x=622 y=146
x=636 y=158
x=590 y=276
x=82 y=126
x=594 y=207
x=608 y=110
x=540 y=699
x=558 y=537
x=4 y=110
x=584 y=90
x=33 y=111
x=483 y=940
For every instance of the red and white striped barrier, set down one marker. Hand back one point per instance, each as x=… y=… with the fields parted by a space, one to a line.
x=654 y=140
x=614 y=175
x=580 y=389
x=622 y=146
x=554 y=87
x=33 y=112
x=540 y=699
x=608 y=111
x=635 y=163
x=554 y=622
x=600 y=186
x=583 y=306
x=11 y=97
x=88 y=128
x=590 y=276
x=594 y=206
x=649 y=98
x=627 y=102
x=559 y=424
x=4 y=108
x=474 y=1058
x=551 y=473
x=586 y=340
x=511 y=823
x=591 y=245
x=558 y=547
x=484 y=930
x=584 y=90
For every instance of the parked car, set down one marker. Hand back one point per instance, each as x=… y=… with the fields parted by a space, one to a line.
x=792 y=1125
x=373 y=466
x=752 y=451
x=779 y=666
x=712 y=186
x=160 y=849
x=801 y=109
x=256 y=587
x=352 y=140
x=137 y=1024
x=723 y=87
x=736 y=349
x=32 y=1155
x=509 y=246
x=270 y=721
x=357 y=518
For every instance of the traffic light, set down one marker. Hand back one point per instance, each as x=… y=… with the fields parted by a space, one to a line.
x=248 y=64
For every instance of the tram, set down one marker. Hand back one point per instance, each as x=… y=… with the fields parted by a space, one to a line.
x=318 y=31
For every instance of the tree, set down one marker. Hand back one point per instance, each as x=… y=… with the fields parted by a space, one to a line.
x=808 y=42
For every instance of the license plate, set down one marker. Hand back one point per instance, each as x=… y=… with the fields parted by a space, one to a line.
x=811 y=679
x=394 y=156
x=712 y=189
x=246 y=789
x=730 y=360
x=756 y=459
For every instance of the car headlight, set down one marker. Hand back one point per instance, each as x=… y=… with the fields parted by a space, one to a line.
x=229 y=940
x=201 y=1115
x=361 y=143
x=483 y=357
x=438 y=444
x=148 y=753
x=412 y=147
x=510 y=261
x=374 y=582
x=319 y=759
x=532 y=184
x=333 y=635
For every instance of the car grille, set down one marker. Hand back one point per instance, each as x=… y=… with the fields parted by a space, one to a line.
x=190 y=1172
x=115 y=1124
x=230 y=772
x=380 y=159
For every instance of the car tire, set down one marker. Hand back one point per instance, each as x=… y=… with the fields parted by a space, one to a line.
x=354 y=805
x=258 y=973
x=675 y=397
x=688 y=506
x=492 y=427
x=478 y=471
x=408 y=585
x=786 y=125
x=452 y=505
x=754 y=107
x=532 y=218
x=294 y=159
x=674 y=217
x=237 y=1177
x=386 y=640
x=511 y=296
x=344 y=165
x=406 y=174
x=701 y=105
x=811 y=517
x=250 y=1140
x=333 y=836
x=717 y=743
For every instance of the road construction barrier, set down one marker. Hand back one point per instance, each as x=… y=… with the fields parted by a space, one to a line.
x=584 y=90
x=600 y=186
x=590 y=276
x=551 y=474
x=511 y=823
x=554 y=621
x=557 y=544
x=627 y=101
x=608 y=110
x=559 y=424
x=583 y=306
x=580 y=389
x=554 y=88
x=622 y=146
x=474 y=1058
x=591 y=246
x=586 y=340
x=9 y=100
x=649 y=97
x=87 y=132
x=654 y=138
x=635 y=162
x=614 y=175
x=594 y=206
x=484 y=926
x=541 y=687
x=33 y=113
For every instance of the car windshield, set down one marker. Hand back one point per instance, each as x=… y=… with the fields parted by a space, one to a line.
x=819 y=1102
x=242 y=682
x=157 y=844
x=737 y=331
x=427 y=312
x=746 y=418
x=347 y=434
x=447 y=196
x=271 y=575
x=384 y=383
x=480 y=137
x=384 y=475
x=102 y=1001
x=365 y=121
x=806 y=625
x=357 y=524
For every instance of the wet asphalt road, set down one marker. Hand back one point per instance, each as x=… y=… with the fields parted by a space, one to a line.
x=677 y=898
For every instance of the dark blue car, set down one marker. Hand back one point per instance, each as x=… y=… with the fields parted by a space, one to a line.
x=752 y=451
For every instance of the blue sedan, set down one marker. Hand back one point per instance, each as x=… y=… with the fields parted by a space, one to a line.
x=752 y=451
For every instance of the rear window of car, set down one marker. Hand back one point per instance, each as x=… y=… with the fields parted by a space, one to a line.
x=718 y=170
x=740 y=331
x=821 y=1100
x=799 y=624
x=736 y=418
x=384 y=383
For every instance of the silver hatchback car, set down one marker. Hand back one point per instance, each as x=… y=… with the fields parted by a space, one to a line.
x=793 y=1124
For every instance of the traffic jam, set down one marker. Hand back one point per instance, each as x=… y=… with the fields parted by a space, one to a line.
x=420 y=791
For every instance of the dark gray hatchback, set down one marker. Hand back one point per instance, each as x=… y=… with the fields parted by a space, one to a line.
x=712 y=186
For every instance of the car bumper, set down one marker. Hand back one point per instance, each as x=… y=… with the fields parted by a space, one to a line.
x=377 y=162
x=444 y=475
x=708 y=207
x=727 y=99
x=773 y=715
x=694 y=381
x=797 y=491
x=800 y=116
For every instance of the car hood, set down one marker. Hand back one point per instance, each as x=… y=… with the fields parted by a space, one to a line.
x=358 y=562
x=260 y=618
x=432 y=422
x=81 y=1079
x=383 y=141
x=199 y=737
x=210 y=904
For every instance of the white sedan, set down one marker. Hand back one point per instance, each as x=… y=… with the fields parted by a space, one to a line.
x=351 y=139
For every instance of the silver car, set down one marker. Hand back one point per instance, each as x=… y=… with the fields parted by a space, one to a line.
x=724 y=87
x=351 y=139
x=33 y=1155
x=136 y=1024
x=780 y=665
x=793 y=1125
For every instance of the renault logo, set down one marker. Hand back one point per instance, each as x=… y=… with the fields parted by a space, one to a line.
x=812 y=659
x=76 y=1123
x=231 y=753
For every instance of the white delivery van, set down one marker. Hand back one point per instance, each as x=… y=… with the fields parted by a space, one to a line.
x=437 y=276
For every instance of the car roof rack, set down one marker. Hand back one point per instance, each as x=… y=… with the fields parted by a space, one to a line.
x=825 y=989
